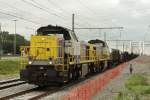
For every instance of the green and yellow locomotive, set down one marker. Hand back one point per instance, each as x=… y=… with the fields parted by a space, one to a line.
x=56 y=56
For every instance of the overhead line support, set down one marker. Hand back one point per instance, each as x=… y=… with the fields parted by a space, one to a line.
x=100 y=28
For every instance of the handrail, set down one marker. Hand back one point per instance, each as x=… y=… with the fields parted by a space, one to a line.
x=25 y=54
x=59 y=59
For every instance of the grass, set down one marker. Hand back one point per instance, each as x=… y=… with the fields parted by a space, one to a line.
x=137 y=86
x=9 y=67
x=125 y=96
x=136 y=79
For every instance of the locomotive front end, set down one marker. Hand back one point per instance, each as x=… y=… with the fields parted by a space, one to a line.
x=44 y=62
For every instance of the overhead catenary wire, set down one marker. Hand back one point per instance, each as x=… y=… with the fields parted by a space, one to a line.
x=86 y=7
x=37 y=5
x=19 y=17
x=59 y=7
x=92 y=11
x=34 y=5
x=15 y=8
x=40 y=6
x=46 y=8
x=63 y=10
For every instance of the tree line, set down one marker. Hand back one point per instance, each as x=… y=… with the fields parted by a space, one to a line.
x=7 y=43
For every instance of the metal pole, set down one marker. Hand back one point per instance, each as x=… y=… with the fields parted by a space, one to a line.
x=131 y=46
x=143 y=48
x=0 y=27
x=1 y=45
x=100 y=32
x=15 y=38
x=140 y=48
x=73 y=22
x=105 y=36
x=120 y=34
x=34 y=30
x=116 y=44
x=123 y=47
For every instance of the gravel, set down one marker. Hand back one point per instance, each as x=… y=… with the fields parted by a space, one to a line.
x=140 y=65
x=15 y=89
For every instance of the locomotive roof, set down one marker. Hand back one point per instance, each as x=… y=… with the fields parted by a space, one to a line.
x=50 y=29
x=115 y=50
x=96 y=41
x=44 y=30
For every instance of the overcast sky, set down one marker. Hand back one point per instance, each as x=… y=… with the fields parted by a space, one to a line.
x=133 y=15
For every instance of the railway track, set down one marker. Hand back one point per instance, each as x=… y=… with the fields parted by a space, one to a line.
x=10 y=83
x=32 y=94
x=57 y=89
x=17 y=94
x=37 y=93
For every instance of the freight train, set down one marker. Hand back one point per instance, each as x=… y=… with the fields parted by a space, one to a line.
x=55 y=55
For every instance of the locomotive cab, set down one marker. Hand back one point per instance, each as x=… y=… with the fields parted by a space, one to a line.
x=47 y=56
x=46 y=48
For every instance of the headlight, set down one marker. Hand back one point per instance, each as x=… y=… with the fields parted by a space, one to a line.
x=30 y=62
x=50 y=62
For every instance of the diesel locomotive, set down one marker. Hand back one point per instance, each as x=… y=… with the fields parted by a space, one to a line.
x=55 y=55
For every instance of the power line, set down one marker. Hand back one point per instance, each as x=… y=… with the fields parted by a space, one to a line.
x=10 y=6
x=37 y=5
x=48 y=8
x=86 y=6
x=60 y=8
x=14 y=15
x=101 y=28
x=51 y=2
x=36 y=23
x=91 y=10
x=34 y=5
x=44 y=7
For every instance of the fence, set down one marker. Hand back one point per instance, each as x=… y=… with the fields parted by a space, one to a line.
x=87 y=90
